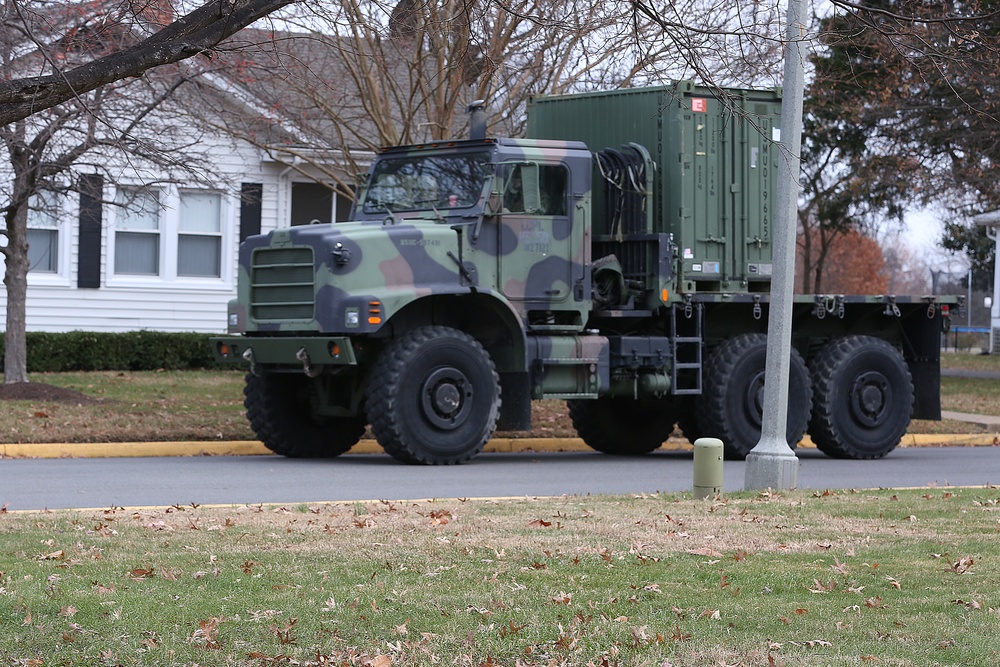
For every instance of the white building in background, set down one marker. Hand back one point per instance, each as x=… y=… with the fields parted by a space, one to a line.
x=126 y=256
x=133 y=248
x=144 y=254
x=992 y=223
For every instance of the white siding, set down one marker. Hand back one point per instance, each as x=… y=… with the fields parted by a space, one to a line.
x=120 y=309
x=164 y=303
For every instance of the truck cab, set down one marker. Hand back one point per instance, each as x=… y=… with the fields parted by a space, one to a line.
x=488 y=238
x=518 y=209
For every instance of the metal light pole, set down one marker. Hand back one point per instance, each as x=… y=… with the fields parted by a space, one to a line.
x=772 y=463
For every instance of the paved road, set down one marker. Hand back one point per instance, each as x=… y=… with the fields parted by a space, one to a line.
x=160 y=482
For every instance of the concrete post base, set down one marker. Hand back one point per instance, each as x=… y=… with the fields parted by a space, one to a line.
x=771 y=466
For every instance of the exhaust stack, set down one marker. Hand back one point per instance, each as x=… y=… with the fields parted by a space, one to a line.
x=477 y=119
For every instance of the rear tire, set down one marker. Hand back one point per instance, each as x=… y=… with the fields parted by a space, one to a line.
x=623 y=426
x=863 y=398
x=279 y=410
x=434 y=397
x=732 y=405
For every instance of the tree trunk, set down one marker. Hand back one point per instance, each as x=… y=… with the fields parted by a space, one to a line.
x=15 y=356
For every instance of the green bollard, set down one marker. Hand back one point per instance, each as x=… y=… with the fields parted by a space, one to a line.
x=707 y=467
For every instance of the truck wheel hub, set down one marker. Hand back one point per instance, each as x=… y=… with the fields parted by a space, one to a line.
x=870 y=396
x=446 y=398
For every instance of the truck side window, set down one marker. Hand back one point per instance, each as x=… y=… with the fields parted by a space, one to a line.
x=552 y=187
x=523 y=182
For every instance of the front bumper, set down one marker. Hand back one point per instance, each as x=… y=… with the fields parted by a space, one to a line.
x=284 y=351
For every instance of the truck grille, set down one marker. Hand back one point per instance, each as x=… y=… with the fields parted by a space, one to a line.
x=281 y=284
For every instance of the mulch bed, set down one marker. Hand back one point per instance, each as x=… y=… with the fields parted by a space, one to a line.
x=47 y=393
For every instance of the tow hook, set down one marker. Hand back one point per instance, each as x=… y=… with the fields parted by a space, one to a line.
x=307 y=366
x=249 y=358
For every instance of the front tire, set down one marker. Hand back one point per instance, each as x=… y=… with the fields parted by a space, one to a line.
x=864 y=398
x=434 y=397
x=731 y=408
x=279 y=410
x=623 y=426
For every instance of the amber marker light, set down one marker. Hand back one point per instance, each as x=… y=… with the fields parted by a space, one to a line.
x=374 y=312
x=664 y=295
x=224 y=350
x=334 y=350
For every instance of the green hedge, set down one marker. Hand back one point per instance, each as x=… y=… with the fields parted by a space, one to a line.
x=129 y=351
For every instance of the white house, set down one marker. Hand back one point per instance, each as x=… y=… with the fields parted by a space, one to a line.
x=133 y=247
x=141 y=253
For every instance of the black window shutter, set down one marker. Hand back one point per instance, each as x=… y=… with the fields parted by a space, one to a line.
x=88 y=273
x=250 y=209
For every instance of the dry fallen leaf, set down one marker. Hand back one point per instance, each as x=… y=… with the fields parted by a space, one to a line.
x=563 y=598
x=962 y=565
x=820 y=587
x=206 y=635
x=441 y=517
x=974 y=604
x=379 y=661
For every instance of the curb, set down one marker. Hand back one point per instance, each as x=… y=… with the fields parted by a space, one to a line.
x=504 y=445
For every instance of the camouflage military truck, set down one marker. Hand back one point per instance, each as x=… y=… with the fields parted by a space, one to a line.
x=479 y=274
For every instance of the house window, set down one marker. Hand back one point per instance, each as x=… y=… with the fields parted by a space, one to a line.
x=43 y=233
x=137 y=233
x=168 y=234
x=199 y=240
x=316 y=202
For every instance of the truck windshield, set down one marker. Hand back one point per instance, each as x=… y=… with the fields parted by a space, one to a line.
x=426 y=182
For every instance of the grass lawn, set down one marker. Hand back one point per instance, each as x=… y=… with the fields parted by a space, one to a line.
x=208 y=405
x=901 y=578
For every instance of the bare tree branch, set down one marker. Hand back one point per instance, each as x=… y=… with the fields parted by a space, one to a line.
x=198 y=31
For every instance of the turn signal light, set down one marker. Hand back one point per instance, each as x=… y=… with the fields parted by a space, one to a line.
x=374 y=312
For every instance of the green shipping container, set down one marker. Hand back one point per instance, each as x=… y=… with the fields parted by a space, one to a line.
x=716 y=155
